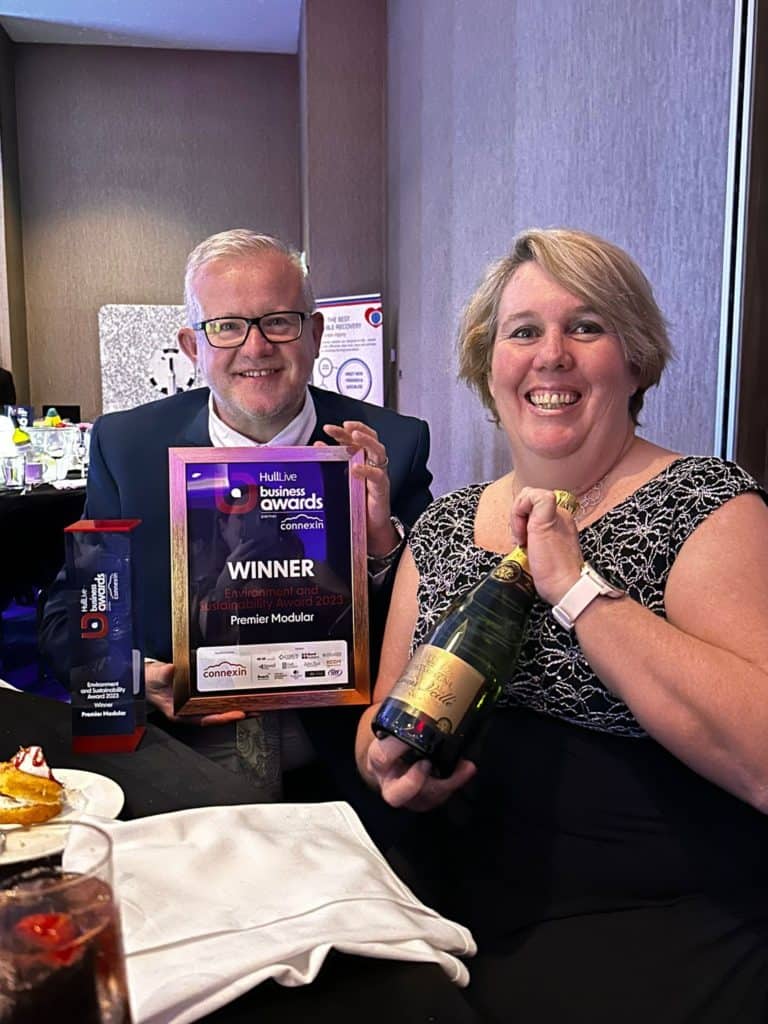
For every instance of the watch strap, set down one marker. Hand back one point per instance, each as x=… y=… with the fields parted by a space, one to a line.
x=378 y=562
x=589 y=586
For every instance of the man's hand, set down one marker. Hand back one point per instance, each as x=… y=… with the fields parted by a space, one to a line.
x=158 y=678
x=382 y=536
x=411 y=785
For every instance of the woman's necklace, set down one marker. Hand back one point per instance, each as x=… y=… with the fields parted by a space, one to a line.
x=591 y=498
x=593 y=495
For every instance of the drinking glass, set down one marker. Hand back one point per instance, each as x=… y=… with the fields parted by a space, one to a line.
x=40 y=467
x=61 y=956
x=33 y=470
x=83 y=447
x=12 y=472
x=56 y=448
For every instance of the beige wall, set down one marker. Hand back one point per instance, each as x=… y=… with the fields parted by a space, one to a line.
x=343 y=81
x=505 y=115
x=13 y=330
x=127 y=158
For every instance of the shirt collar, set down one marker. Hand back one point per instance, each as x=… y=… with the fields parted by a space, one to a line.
x=297 y=432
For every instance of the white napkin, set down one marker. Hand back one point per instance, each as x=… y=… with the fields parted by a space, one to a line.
x=68 y=485
x=216 y=900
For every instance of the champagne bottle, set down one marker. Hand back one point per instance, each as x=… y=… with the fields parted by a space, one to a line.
x=443 y=698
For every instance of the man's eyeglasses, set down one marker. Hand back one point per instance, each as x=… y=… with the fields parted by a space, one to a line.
x=232 y=331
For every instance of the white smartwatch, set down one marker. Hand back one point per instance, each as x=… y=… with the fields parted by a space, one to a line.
x=589 y=585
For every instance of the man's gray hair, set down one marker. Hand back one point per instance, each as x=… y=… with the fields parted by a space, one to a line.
x=240 y=243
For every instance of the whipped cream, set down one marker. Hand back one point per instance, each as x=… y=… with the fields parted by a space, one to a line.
x=32 y=761
x=13 y=803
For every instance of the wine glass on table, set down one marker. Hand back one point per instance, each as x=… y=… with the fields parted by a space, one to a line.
x=56 y=449
x=60 y=945
x=83 y=447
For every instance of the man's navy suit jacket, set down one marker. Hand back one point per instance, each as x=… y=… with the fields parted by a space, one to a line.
x=128 y=477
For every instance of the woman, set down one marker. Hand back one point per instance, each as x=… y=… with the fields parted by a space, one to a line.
x=609 y=846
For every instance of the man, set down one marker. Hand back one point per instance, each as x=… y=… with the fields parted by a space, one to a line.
x=257 y=393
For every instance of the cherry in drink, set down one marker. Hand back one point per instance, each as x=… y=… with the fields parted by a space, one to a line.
x=61 y=956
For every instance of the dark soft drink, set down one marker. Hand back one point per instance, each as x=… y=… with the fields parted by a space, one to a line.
x=61 y=956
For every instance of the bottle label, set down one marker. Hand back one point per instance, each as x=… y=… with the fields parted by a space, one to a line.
x=439 y=685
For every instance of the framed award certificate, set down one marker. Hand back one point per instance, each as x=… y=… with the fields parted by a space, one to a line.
x=269 y=578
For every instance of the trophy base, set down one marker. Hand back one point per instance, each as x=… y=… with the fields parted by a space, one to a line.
x=118 y=743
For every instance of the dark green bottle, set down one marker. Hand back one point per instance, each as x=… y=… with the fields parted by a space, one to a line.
x=444 y=696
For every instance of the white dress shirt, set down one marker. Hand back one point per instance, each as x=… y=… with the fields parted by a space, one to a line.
x=297 y=432
x=295 y=747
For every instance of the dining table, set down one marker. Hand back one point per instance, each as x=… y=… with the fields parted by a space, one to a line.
x=32 y=534
x=165 y=775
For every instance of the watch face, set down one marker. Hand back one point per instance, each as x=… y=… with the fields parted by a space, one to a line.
x=169 y=370
x=611 y=588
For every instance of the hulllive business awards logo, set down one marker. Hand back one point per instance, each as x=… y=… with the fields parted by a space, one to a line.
x=275 y=491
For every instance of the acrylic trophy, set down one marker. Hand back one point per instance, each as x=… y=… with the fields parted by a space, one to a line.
x=107 y=673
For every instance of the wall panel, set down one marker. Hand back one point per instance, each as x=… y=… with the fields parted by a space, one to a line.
x=128 y=157
x=343 y=59
x=13 y=328
x=509 y=113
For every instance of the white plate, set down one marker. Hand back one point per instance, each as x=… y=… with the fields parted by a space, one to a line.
x=84 y=793
x=88 y=793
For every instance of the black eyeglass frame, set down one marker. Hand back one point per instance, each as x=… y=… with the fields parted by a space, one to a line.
x=255 y=321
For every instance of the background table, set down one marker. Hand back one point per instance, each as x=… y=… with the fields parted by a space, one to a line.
x=32 y=537
x=165 y=775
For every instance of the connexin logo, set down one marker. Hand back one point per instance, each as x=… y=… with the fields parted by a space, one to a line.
x=224 y=670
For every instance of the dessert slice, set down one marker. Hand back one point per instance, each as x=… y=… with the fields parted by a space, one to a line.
x=29 y=793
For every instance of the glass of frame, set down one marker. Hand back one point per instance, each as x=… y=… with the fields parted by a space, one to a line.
x=269 y=578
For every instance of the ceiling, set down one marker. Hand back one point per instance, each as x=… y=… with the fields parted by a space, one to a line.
x=261 y=26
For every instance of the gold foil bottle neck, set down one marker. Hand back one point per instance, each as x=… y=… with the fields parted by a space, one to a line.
x=518 y=555
x=568 y=501
x=565 y=500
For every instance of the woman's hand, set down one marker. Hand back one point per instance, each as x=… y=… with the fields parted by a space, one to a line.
x=410 y=785
x=549 y=535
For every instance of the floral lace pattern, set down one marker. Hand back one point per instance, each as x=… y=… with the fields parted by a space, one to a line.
x=634 y=544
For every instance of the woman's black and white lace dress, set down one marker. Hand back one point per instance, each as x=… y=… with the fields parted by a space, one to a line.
x=588 y=860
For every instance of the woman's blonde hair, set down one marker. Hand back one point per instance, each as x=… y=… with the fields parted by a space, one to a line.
x=603 y=276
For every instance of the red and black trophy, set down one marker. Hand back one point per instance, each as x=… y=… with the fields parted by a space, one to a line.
x=107 y=673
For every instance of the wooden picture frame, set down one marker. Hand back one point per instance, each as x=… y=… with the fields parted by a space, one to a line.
x=269 y=578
